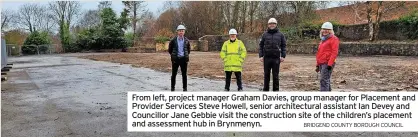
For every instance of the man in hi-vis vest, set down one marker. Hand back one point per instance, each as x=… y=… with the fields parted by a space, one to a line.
x=233 y=54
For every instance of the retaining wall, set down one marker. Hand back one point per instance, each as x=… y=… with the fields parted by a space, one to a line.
x=394 y=49
x=353 y=48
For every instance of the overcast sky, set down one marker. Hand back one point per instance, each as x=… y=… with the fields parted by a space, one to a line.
x=153 y=6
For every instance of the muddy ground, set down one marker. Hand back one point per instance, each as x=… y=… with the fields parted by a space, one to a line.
x=65 y=96
x=376 y=73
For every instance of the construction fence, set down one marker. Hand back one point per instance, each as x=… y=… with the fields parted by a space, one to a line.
x=19 y=50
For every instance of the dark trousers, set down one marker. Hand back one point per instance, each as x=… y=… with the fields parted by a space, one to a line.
x=228 y=79
x=325 y=82
x=183 y=65
x=271 y=64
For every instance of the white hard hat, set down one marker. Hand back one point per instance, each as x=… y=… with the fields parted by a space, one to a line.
x=272 y=20
x=327 y=25
x=181 y=27
x=233 y=31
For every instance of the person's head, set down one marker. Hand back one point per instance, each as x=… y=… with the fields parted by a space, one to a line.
x=233 y=34
x=180 y=30
x=272 y=23
x=326 y=29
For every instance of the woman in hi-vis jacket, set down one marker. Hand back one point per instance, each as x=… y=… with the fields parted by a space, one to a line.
x=326 y=55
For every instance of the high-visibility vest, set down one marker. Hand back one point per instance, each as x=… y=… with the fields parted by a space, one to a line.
x=233 y=55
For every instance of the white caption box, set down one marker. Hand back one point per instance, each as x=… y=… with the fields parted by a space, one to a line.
x=193 y=112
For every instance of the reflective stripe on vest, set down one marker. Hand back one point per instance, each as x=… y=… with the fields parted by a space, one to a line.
x=238 y=66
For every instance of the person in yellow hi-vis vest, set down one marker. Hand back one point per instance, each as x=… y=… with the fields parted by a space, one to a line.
x=233 y=54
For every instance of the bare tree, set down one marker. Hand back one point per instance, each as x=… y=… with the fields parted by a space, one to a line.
x=170 y=5
x=28 y=15
x=356 y=7
x=90 y=19
x=65 y=11
x=146 y=23
x=104 y=4
x=303 y=10
x=7 y=18
x=254 y=6
x=381 y=9
x=135 y=8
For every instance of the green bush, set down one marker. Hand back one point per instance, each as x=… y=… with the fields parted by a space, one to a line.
x=108 y=35
x=129 y=37
x=291 y=33
x=112 y=34
x=161 y=39
x=36 y=38
x=29 y=49
x=88 y=39
x=409 y=25
x=72 y=48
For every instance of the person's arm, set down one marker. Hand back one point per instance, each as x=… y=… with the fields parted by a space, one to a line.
x=334 y=51
x=243 y=52
x=188 y=46
x=317 y=54
x=283 y=47
x=223 y=52
x=261 y=47
x=170 y=47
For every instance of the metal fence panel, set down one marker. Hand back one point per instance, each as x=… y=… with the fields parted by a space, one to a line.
x=3 y=53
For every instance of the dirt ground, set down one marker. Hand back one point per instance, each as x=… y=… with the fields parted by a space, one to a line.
x=373 y=73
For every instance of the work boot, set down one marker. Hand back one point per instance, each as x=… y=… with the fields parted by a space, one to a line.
x=240 y=90
x=184 y=89
x=226 y=90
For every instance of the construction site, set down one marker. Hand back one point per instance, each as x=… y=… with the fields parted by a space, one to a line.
x=296 y=72
x=74 y=82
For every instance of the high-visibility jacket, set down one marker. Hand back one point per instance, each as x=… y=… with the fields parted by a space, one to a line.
x=233 y=55
x=328 y=51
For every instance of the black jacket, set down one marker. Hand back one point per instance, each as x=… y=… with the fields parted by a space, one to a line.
x=272 y=44
x=173 y=48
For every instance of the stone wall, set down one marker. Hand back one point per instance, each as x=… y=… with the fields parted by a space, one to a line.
x=161 y=47
x=353 y=48
x=356 y=48
x=194 y=45
x=203 y=45
x=361 y=32
x=149 y=45
x=145 y=44
x=215 y=42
